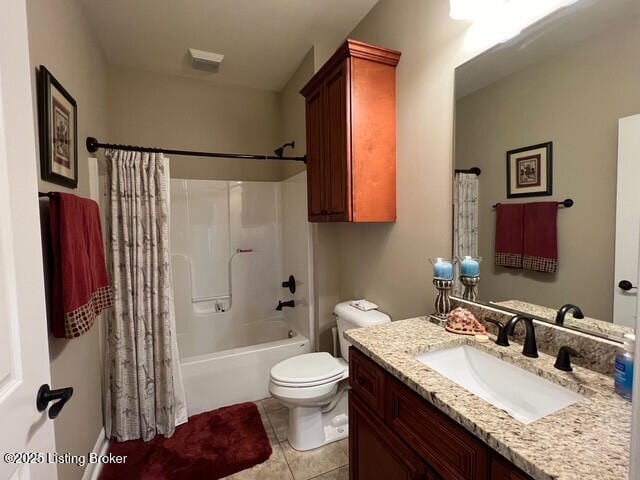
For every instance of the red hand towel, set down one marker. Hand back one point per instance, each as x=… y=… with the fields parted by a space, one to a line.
x=81 y=289
x=540 y=249
x=509 y=234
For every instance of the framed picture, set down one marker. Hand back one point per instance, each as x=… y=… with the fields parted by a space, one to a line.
x=58 y=125
x=529 y=171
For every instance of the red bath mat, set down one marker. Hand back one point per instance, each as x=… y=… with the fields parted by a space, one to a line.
x=210 y=445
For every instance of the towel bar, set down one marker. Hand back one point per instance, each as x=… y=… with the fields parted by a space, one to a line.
x=567 y=203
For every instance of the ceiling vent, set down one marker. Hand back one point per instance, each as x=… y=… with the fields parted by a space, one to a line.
x=205 y=61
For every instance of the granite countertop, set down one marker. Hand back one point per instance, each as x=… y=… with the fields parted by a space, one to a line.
x=589 y=439
x=586 y=324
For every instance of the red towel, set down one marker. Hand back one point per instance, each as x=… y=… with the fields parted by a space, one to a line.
x=80 y=288
x=509 y=234
x=540 y=245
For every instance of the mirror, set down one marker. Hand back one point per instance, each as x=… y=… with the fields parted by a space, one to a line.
x=539 y=116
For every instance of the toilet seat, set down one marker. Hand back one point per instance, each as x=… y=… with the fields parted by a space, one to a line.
x=308 y=370
x=308 y=384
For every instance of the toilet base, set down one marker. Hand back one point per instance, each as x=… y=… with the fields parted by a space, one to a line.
x=309 y=428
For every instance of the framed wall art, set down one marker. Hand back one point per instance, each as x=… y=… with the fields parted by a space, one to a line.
x=58 y=128
x=529 y=171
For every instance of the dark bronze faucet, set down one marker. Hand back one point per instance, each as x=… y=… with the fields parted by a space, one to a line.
x=503 y=336
x=288 y=303
x=530 y=348
x=577 y=313
x=563 y=360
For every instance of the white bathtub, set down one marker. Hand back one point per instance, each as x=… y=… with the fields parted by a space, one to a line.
x=239 y=374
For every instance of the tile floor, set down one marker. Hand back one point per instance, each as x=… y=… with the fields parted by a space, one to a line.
x=330 y=462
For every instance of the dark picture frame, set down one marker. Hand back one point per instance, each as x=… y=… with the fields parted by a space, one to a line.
x=58 y=131
x=530 y=171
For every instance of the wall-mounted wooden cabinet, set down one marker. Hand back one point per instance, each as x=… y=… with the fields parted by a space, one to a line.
x=351 y=136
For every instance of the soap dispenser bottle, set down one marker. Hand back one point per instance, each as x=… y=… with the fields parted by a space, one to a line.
x=624 y=367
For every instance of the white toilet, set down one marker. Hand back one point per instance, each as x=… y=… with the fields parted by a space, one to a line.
x=315 y=385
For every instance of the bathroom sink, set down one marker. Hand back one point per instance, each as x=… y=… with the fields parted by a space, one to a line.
x=522 y=394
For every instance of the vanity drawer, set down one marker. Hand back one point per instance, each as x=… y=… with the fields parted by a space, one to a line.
x=366 y=380
x=447 y=447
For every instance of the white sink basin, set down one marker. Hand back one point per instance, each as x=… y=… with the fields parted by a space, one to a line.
x=522 y=394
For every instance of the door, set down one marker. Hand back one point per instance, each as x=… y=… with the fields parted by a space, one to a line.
x=627 y=217
x=337 y=132
x=634 y=467
x=315 y=152
x=24 y=353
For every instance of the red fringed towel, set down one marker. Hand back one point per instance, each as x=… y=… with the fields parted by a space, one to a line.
x=540 y=244
x=509 y=234
x=80 y=288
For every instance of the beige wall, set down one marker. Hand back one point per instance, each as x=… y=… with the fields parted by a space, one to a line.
x=325 y=237
x=182 y=113
x=387 y=263
x=60 y=39
x=292 y=109
x=586 y=90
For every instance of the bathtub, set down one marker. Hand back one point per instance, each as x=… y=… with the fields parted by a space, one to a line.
x=239 y=373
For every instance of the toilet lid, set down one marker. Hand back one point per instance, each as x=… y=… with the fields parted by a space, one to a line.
x=308 y=369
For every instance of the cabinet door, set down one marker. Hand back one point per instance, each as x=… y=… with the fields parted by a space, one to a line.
x=366 y=380
x=315 y=149
x=375 y=453
x=337 y=143
x=502 y=469
x=432 y=475
x=448 y=448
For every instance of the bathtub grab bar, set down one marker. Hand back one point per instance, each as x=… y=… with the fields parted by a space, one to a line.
x=217 y=297
x=209 y=299
x=238 y=251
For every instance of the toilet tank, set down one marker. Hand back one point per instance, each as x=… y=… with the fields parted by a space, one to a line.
x=351 y=317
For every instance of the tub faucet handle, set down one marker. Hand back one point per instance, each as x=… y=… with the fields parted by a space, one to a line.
x=281 y=304
x=290 y=284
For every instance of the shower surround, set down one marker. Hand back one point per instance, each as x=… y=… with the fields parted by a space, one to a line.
x=233 y=243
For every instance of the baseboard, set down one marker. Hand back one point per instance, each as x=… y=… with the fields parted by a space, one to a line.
x=92 y=471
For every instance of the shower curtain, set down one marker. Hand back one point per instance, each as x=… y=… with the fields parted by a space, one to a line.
x=465 y=220
x=143 y=387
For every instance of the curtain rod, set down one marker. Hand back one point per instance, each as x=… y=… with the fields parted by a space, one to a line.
x=474 y=170
x=93 y=145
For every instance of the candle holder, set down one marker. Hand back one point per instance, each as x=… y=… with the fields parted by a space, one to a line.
x=470 y=285
x=443 y=302
x=442 y=268
x=469 y=266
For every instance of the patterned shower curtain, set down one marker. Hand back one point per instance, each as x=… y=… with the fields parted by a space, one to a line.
x=144 y=395
x=465 y=220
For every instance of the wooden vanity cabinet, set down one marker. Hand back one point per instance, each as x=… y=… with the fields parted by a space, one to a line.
x=396 y=434
x=351 y=136
x=375 y=452
x=502 y=469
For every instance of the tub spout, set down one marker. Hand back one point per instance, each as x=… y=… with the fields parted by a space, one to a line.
x=281 y=304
